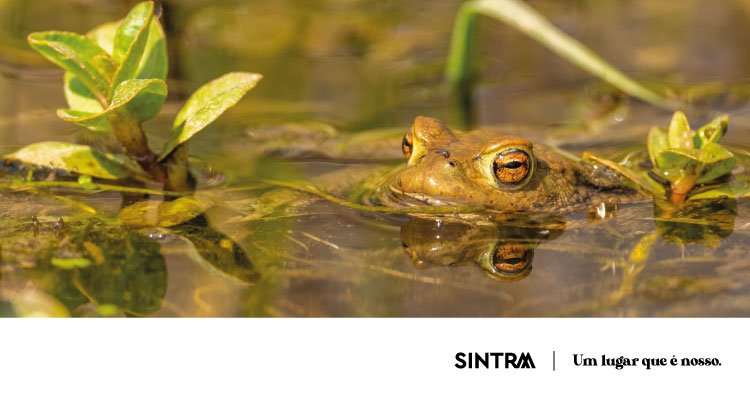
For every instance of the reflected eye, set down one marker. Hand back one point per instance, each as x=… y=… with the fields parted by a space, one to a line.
x=407 y=145
x=511 y=258
x=512 y=167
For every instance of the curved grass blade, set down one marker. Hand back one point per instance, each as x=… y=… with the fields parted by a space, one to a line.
x=80 y=56
x=207 y=104
x=520 y=16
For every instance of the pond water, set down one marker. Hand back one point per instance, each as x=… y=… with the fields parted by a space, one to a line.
x=358 y=72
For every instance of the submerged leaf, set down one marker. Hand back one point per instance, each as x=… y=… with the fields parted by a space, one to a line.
x=217 y=253
x=70 y=263
x=139 y=98
x=77 y=158
x=162 y=213
x=133 y=276
x=80 y=56
x=207 y=104
x=130 y=41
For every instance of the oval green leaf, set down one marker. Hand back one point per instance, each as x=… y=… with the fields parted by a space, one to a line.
x=709 y=154
x=657 y=143
x=139 y=98
x=680 y=136
x=80 y=56
x=78 y=96
x=712 y=132
x=130 y=42
x=153 y=64
x=77 y=158
x=207 y=104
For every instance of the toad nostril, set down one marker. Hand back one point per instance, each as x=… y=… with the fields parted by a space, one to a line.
x=452 y=163
x=443 y=153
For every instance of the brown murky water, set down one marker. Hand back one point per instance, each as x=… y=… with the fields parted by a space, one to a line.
x=343 y=67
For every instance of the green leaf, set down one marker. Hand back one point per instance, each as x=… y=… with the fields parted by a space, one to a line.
x=139 y=98
x=80 y=56
x=715 y=170
x=162 y=213
x=153 y=64
x=708 y=163
x=207 y=104
x=639 y=181
x=78 y=96
x=77 y=158
x=130 y=41
x=735 y=189
x=104 y=35
x=674 y=164
x=718 y=162
x=709 y=154
x=680 y=136
x=712 y=132
x=657 y=143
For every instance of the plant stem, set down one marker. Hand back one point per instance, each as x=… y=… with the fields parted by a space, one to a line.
x=681 y=188
x=178 y=173
x=519 y=15
x=131 y=136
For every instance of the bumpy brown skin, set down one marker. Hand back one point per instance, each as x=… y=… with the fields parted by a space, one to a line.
x=449 y=169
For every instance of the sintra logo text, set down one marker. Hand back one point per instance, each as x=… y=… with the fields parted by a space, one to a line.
x=494 y=360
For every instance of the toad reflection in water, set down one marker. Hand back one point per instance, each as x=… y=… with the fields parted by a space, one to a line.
x=503 y=253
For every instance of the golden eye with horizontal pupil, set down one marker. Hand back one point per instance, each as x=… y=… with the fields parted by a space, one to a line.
x=512 y=167
x=511 y=258
x=407 y=145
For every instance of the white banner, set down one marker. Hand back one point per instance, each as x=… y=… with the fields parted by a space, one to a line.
x=374 y=358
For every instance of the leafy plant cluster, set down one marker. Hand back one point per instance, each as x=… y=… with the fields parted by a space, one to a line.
x=685 y=157
x=114 y=81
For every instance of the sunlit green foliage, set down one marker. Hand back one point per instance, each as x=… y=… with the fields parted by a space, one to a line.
x=115 y=80
x=685 y=157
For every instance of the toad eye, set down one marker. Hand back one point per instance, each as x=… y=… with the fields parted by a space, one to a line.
x=513 y=167
x=511 y=259
x=407 y=145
